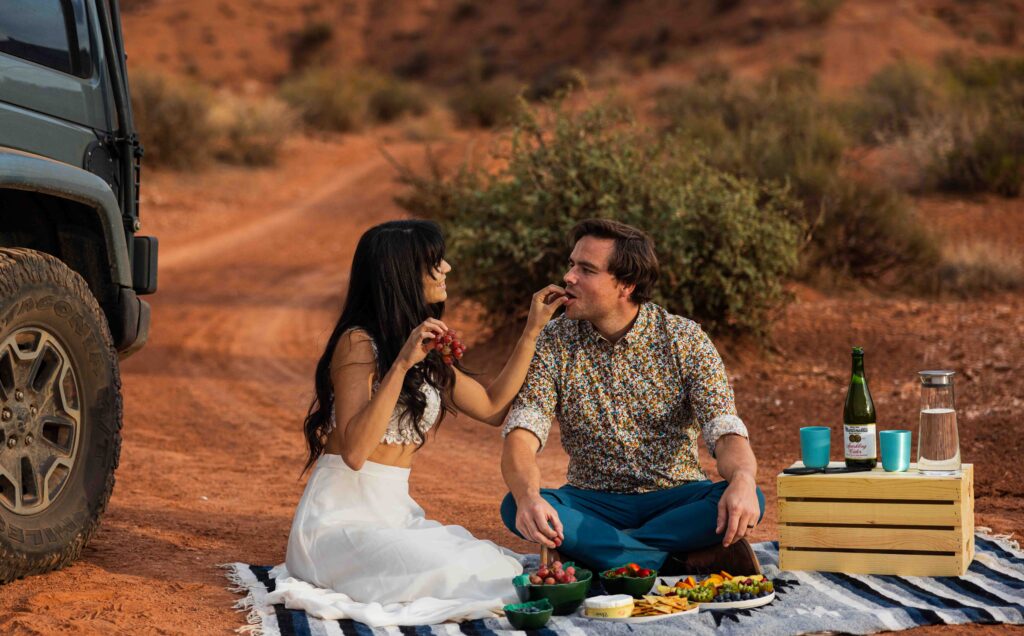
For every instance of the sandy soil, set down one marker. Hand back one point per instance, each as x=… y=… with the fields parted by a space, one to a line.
x=253 y=266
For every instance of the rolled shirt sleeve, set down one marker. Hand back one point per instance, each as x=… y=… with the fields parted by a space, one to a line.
x=711 y=396
x=535 y=406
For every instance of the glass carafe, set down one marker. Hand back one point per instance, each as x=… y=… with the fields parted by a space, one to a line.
x=938 y=443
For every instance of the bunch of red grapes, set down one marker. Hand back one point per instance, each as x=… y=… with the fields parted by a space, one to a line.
x=553 y=574
x=449 y=347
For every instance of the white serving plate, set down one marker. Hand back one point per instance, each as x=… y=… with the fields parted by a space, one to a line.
x=754 y=602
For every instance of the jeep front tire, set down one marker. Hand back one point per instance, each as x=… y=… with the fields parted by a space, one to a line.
x=60 y=413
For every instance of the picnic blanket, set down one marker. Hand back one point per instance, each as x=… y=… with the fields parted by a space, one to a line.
x=992 y=591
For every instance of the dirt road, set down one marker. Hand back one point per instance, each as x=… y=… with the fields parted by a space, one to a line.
x=253 y=265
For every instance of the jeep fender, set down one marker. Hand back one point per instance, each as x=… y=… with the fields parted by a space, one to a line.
x=26 y=171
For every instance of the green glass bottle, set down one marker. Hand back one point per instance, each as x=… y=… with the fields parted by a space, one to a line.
x=859 y=437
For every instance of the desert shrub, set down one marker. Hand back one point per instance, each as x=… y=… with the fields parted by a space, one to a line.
x=775 y=130
x=326 y=100
x=779 y=130
x=868 y=231
x=893 y=99
x=819 y=11
x=249 y=131
x=980 y=267
x=725 y=6
x=995 y=81
x=987 y=153
x=726 y=243
x=465 y=10
x=554 y=80
x=172 y=117
x=486 y=103
x=344 y=101
x=306 y=45
x=390 y=98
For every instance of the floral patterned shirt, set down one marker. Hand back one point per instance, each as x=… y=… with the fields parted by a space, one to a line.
x=629 y=412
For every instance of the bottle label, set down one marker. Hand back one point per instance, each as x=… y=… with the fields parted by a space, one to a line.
x=860 y=441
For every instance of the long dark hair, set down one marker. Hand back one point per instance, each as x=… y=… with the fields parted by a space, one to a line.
x=385 y=299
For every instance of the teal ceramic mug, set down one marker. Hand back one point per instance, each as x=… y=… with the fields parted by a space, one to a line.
x=895 y=450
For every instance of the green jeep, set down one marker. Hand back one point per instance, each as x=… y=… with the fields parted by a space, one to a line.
x=71 y=272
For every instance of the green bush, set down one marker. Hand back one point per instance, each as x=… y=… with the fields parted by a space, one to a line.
x=486 y=103
x=726 y=243
x=172 y=117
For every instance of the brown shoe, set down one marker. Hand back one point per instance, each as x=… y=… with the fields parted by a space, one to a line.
x=738 y=559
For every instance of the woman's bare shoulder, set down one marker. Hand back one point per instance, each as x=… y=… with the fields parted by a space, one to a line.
x=356 y=346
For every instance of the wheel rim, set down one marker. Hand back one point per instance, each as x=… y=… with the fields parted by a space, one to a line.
x=40 y=420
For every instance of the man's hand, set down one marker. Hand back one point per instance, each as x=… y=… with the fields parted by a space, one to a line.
x=738 y=509
x=538 y=522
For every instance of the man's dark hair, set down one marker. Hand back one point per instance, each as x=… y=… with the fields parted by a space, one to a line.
x=633 y=260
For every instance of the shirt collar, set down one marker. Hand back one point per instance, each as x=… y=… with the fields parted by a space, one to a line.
x=635 y=334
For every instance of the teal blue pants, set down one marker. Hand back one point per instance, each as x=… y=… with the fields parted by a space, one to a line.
x=606 y=529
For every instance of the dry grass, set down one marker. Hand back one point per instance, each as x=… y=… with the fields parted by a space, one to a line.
x=172 y=117
x=980 y=267
x=249 y=131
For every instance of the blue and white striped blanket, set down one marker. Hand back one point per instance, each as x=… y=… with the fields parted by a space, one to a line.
x=992 y=591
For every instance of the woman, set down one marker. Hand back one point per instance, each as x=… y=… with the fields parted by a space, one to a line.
x=359 y=546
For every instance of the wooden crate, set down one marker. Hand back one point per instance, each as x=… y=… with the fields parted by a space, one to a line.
x=877 y=522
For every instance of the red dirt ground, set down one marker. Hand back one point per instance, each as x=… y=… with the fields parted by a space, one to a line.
x=254 y=264
x=253 y=267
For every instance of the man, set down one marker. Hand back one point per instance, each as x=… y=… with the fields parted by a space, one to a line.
x=632 y=386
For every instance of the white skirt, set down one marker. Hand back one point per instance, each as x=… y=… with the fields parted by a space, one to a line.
x=361 y=548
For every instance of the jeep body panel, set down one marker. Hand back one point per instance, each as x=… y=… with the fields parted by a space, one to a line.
x=39 y=134
x=24 y=171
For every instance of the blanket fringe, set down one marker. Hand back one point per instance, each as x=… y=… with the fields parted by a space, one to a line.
x=253 y=619
x=255 y=624
x=1005 y=540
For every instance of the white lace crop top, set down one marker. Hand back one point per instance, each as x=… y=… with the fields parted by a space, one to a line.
x=401 y=429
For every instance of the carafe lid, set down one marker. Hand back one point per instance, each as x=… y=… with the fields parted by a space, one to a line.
x=936 y=378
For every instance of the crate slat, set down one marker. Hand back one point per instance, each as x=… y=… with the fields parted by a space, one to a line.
x=877 y=484
x=866 y=563
x=896 y=513
x=867 y=538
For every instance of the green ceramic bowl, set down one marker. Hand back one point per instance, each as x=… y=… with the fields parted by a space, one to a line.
x=520 y=619
x=564 y=597
x=634 y=586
